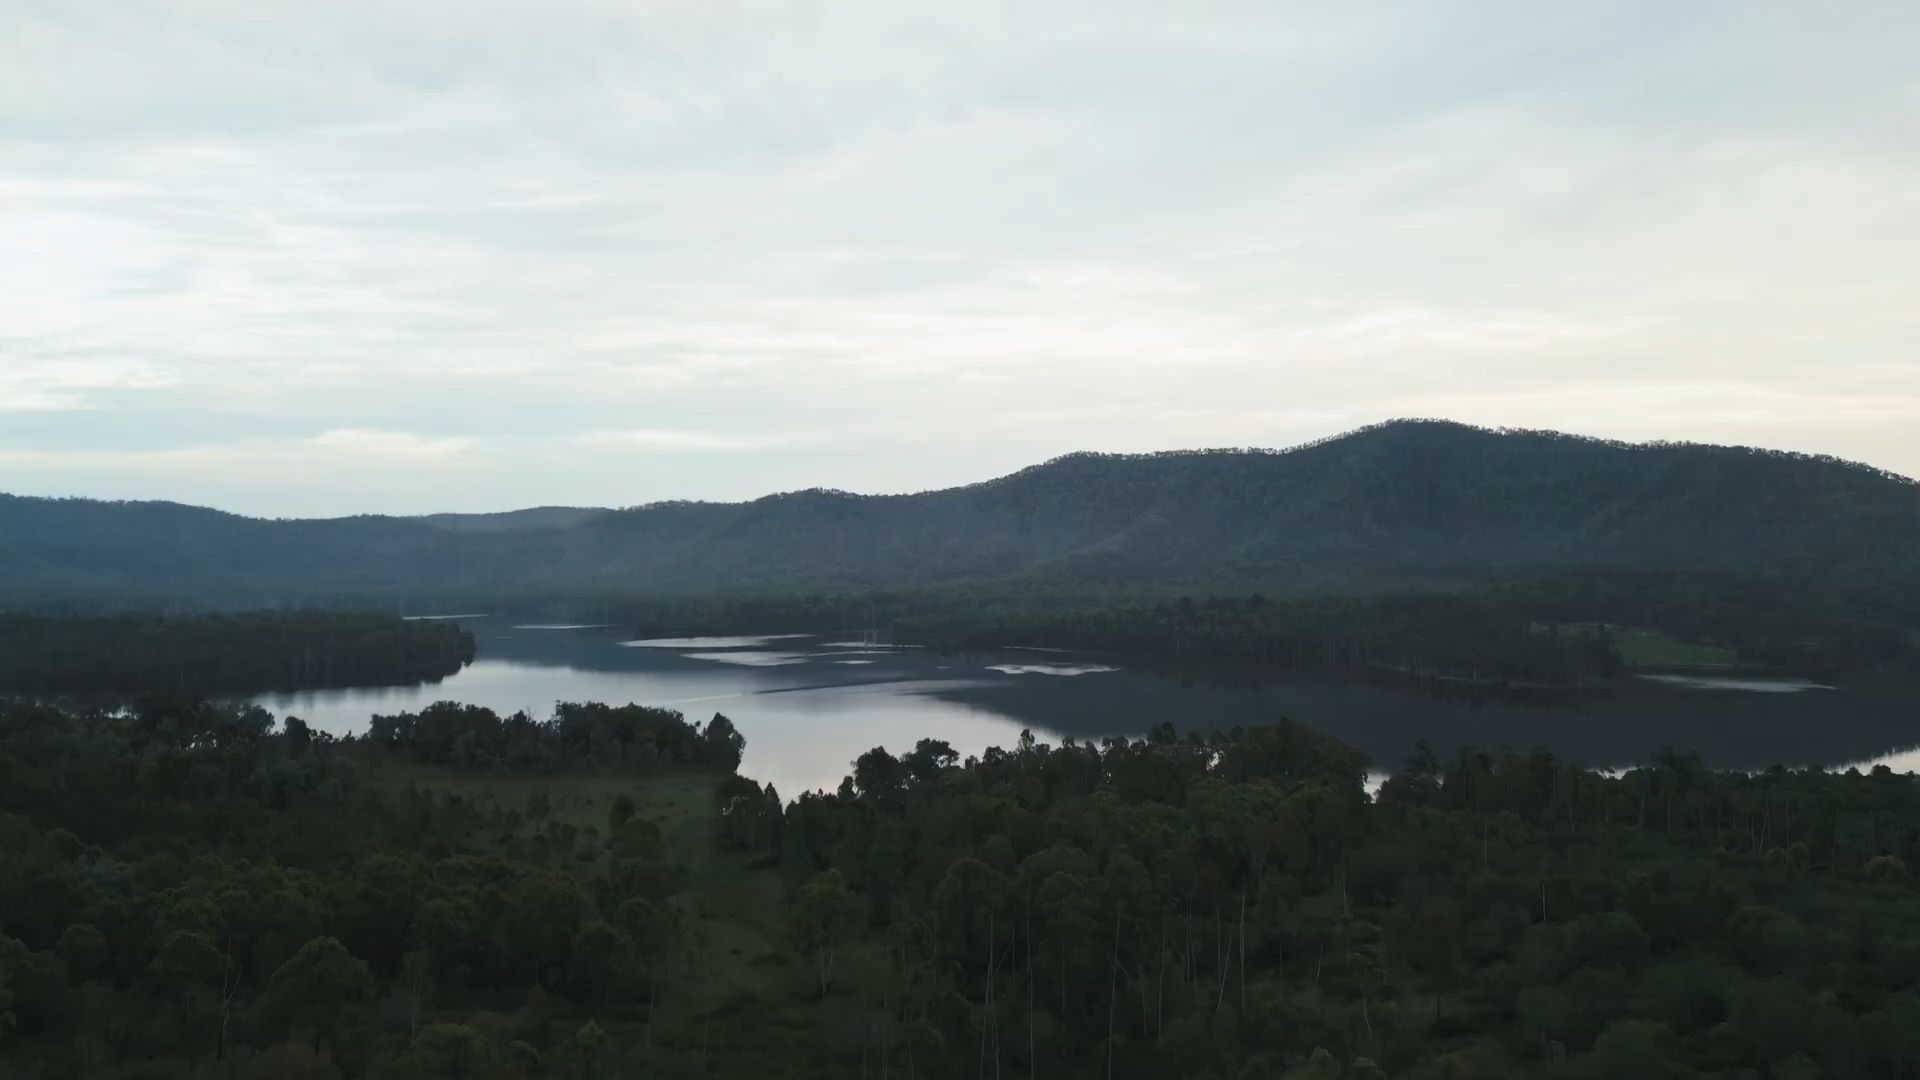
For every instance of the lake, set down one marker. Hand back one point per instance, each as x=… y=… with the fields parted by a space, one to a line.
x=809 y=705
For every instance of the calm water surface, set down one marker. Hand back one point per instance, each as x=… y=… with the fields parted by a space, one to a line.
x=808 y=705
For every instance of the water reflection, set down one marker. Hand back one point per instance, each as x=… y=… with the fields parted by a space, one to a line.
x=1751 y=684
x=808 y=707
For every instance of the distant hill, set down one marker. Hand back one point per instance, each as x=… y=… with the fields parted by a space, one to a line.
x=1407 y=501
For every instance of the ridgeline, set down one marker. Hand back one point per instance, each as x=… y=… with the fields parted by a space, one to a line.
x=1399 y=504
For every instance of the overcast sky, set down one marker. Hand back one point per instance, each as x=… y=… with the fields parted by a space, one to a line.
x=305 y=258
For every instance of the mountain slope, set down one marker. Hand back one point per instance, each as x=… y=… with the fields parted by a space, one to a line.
x=1410 y=500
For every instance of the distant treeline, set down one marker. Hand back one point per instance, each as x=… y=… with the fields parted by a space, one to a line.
x=1771 y=621
x=629 y=736
x=1551 y=629
x=224 y=653
x=1437 y=634
x=1555 y=630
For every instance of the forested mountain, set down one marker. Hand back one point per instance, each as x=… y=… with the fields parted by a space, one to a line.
x=1409 y=501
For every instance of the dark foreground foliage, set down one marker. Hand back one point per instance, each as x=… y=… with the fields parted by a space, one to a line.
x=191 y=891
x=1236 y=907
x=224 y=653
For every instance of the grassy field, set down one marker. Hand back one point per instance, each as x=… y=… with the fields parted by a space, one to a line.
x=1651 y=648
x=736 y=956
x=1644 y=648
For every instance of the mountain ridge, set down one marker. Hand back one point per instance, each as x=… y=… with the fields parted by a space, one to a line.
x=1398 y=423
x=1391 y=502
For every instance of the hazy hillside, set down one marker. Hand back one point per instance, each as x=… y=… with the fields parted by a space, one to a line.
x=1423 y=501
x=536 y=517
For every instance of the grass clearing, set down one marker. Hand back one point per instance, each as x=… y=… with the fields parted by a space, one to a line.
x=1651 y=648
x=1642 y=647
x=733 y=912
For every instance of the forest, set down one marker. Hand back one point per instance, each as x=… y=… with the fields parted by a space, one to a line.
x=204 y=891
x=197 y=890
x=1394 y=506
x=1446 y=635
x=1558 y=630
x=223 y=653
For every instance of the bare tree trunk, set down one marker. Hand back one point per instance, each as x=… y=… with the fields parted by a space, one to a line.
x=995 y=1046
x=1146 y=1009
x=227 y=991
x=1243 y=953
x=986 y=1016
x=1219 y=961
x=1160 y=991
x=1113 y=990
x=1186 y=960
x=1226 y=972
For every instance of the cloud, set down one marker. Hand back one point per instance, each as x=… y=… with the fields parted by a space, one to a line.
x=357 y=442
x=344 y=449
x=28 y=385
x=668 y=440
x=342 y=471
x=881 y=246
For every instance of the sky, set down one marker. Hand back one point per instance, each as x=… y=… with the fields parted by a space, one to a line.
x=298 y=259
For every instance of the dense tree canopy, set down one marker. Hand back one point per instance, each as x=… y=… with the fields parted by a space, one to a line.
x=192 y=891
x=631 y=736
x=1235 y=906
x=195 y=891
x=224 y=653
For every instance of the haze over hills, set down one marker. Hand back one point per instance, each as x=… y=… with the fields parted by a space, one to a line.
x=1407 y=501
x=535 y=517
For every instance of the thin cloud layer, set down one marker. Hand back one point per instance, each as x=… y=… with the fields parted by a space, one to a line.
x=609 y=253
x=665 y=439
